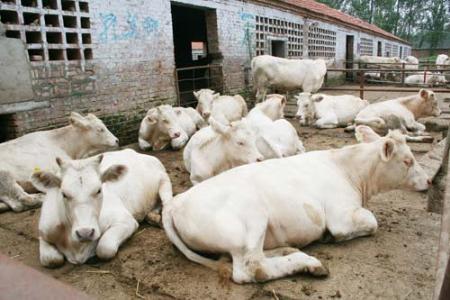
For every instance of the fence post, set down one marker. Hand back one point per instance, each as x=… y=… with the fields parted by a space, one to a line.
x=425 y=74
x=403 y=74
x=361 y=84
x=177 y=87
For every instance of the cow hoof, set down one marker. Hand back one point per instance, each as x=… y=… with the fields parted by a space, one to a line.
x=106 y=253
x=319 y=271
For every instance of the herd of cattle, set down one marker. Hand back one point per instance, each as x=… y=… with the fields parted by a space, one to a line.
x=411 y=65
x=256 y=194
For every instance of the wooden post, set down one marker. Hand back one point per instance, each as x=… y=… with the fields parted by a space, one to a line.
x=177 y=87
x=444 y=239
x=403 y=74
x=425 y=74
x=361 y=84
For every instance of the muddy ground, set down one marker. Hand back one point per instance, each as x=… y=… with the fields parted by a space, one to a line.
x=396 y=263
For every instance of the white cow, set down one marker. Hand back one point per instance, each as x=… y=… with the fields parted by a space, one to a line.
x=95 y=204
x=402 y=112
x=166 y=125
x=328 y=111
x=219 y=147
x=288 y=74
x=430 y=78
x=20 y=157
x=275 y=137
x=254 y=212
x=411 y=63
x=224 y=109
x=385 y=62
x=442 y=61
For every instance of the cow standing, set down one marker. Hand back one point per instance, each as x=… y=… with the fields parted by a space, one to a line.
x=288 y=74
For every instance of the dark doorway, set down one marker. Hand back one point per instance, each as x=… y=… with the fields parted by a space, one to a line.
x=7 y=128
x=379 y=49
x=349 y=56
x=278 y=48
x=401 y=52
x=196 y=47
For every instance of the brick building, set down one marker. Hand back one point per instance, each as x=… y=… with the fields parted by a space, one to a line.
x=119 y=58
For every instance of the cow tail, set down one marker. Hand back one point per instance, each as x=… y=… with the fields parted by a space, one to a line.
x=165 y=193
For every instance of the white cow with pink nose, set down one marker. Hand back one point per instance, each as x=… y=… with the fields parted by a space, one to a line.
x=222 y=108
x=166 y=125
x=254 y=212
x=95 y=204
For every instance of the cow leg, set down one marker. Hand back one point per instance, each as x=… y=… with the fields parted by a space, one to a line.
x=374 y=122
x=250 y=264
x=350 y=223
x=49 y=255
x=114 y=236
x=282 y=251
x=13 y=204
x=4 y=207
x=327 y=122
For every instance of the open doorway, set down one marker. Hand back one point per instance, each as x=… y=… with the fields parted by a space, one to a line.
x=349 y=55
x=379 y=49
x=7 y=129
x=195 y=49
x=278 y=48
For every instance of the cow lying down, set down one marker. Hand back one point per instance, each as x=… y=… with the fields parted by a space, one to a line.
x=166 y=125
x=328 y=111
x=401 y=113
x=222 y=108
x=220 y=147
x=95 y=204
x=256 y=212
x=275 y=137
x=84 y=136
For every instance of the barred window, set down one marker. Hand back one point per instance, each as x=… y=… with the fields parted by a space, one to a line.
x=270 y=27
x=388 y=50
x=53 y=30
x=321 y=43
x=366 y=47
x=395 y=51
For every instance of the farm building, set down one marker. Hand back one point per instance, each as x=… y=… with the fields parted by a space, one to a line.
x=117 y=59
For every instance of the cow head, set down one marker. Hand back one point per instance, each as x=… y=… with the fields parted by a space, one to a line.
x=164 y=119
x=429 y=104
x=93 y=133
x=239 y=141
x=273 y=106
x=306 y=109
x=79 y=188
x=205 y=99
x=396 y=167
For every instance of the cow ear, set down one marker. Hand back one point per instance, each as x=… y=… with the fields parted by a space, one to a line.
x=196 y=94
x=216 y=95
x=114 y=173
x=178 y=111
x=44 y=181
x=317 y=98
x=387 y=150
x=61 y=163
x=152 y=116
x=78 y=120
x=283 y=100
x=423 y=93
x=218 y=127
x=365 y=134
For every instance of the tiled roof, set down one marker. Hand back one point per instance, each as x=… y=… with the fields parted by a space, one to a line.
x=323 y=9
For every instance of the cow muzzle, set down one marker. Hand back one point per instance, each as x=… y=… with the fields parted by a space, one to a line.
x=86 y=234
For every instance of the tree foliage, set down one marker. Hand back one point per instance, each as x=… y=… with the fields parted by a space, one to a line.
x=417 y=21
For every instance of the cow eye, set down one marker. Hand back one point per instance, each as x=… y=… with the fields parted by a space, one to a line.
x=240 y=143
x=99 y=191
x=65 y=196
x=101 y=130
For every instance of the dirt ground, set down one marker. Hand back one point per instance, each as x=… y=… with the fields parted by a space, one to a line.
x=396 y=263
